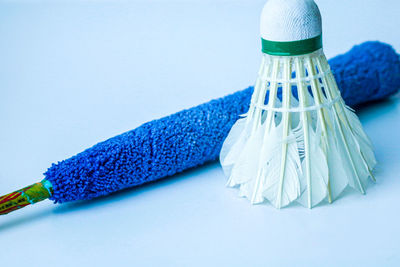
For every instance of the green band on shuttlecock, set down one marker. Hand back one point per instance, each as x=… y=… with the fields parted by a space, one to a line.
x=294 y=48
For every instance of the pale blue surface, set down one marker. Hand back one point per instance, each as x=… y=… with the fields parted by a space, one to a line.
x=74 y=74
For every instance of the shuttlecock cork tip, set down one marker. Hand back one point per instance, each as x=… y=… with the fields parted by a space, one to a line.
x=291 y=27
x=290 y=20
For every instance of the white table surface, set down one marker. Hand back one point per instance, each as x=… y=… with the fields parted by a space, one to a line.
x=75 y=73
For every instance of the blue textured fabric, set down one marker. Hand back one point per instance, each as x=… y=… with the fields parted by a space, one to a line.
x=192 y=137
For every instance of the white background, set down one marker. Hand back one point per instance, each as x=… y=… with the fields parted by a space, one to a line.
x=75 y=73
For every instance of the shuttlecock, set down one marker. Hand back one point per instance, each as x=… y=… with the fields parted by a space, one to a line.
x=298 y=141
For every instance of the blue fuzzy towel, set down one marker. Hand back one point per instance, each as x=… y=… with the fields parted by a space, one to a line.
x=192 y=137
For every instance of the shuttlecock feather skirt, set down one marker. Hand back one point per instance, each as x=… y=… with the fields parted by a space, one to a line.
x=307 y=146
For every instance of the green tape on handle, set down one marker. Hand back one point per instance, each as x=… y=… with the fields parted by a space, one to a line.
x=26 y=196
x=294 y=48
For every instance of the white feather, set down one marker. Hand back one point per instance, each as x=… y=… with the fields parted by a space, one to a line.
x=352 y=161
x=246 y=165
x=271 y=169
x=364 y=142
x=338 y=179
x=233 y=145
x=319 y=172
